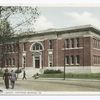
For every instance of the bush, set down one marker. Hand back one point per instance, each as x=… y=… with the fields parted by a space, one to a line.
x=18 y=71
x=52 y=71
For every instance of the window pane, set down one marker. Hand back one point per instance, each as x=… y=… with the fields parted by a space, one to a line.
x=37 y=46
x=67 y=43
x=77 y=59
x=24 y=47
x=9 y=61
x=77 y=42
x=72 y=59
x=13 y=61
x=50 y=60
x=50 y=44
x=72 y=43
x=67 y=60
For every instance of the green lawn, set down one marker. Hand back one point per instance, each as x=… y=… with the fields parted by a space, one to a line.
x=74 y=75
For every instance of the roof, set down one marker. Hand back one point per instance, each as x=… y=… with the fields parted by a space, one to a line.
x=62 y=30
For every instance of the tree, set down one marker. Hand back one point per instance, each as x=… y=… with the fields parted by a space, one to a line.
x=5 y=35
x=28 y=15
x=7 y=31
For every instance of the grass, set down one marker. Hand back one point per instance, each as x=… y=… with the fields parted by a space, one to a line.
x=73 y=75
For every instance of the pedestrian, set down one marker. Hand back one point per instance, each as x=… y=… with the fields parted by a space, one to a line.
x=12 y=78
x=6 y=77
x=24 y=75
x=36 y=76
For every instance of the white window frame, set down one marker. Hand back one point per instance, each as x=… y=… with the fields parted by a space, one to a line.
x=49 y=60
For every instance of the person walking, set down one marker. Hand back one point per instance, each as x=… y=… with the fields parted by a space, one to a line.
x=6 y=77
x=12 y=78
x=24 y=75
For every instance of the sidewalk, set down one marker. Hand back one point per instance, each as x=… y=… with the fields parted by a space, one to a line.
x=66 y=79
x=23 y=86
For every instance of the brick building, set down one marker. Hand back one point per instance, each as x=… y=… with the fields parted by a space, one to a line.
x=76 y=47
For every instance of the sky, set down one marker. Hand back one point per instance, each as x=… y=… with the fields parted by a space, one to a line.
x=58 y=13
x=61 y=17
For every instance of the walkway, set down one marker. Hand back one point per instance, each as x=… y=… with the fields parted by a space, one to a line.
x=33 y=87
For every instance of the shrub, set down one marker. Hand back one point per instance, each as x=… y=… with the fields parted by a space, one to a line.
x=52 y=71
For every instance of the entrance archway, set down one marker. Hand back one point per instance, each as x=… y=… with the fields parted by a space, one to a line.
x=37 y=49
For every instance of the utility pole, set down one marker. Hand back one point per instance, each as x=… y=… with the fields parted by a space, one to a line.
x=18 y=55
x=18 y=52
x=64 y=61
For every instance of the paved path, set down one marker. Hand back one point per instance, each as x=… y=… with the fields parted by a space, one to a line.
x=36 y=86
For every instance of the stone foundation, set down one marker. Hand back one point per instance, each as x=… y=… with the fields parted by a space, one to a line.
x=30 y=71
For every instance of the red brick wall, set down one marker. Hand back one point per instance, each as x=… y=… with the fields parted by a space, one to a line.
x=58 y=52
x=86 y=52
x=45 y=53
x=29 y=57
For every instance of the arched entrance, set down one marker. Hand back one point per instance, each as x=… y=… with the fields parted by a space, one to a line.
x=37 y=49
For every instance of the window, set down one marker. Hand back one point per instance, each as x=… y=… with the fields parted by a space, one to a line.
x=77 y=42
x=24 y=46
x=77 y=59
x=98 y=43
x=94 y=43
x=72 y=43
x=5 y=48
x=24 y=61
x=50 y=44
x=10 y=61
x=9 y=47
x=72 y=59
x=50 y=60
x=37 y=46
x=94 y=59
x=67 y=43
x=67 y=60
x=13 y=61
x=98 y=59
x=14 y=46
x=6 y=62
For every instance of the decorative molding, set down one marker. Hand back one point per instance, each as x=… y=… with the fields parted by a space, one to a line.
x=72 y=48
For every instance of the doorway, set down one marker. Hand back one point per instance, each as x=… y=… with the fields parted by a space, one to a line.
x=37 y=62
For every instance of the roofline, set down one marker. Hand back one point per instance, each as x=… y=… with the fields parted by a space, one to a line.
x=67 y=30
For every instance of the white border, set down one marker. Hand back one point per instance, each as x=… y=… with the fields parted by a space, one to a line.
x=57 y=3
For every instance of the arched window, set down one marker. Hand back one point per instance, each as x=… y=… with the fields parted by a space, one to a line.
x=37 y=46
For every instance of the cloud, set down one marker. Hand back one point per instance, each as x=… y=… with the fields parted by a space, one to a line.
x=43 y=24
x=84 y=18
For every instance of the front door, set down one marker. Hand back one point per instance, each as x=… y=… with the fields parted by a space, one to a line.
x=37 y=62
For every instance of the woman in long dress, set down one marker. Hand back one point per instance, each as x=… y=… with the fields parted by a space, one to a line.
x=6 y=77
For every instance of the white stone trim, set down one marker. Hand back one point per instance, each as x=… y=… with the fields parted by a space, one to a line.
x=76 y=69
x=72 y=48
x=40 y=61
x=10 y=52
x=96 y=48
